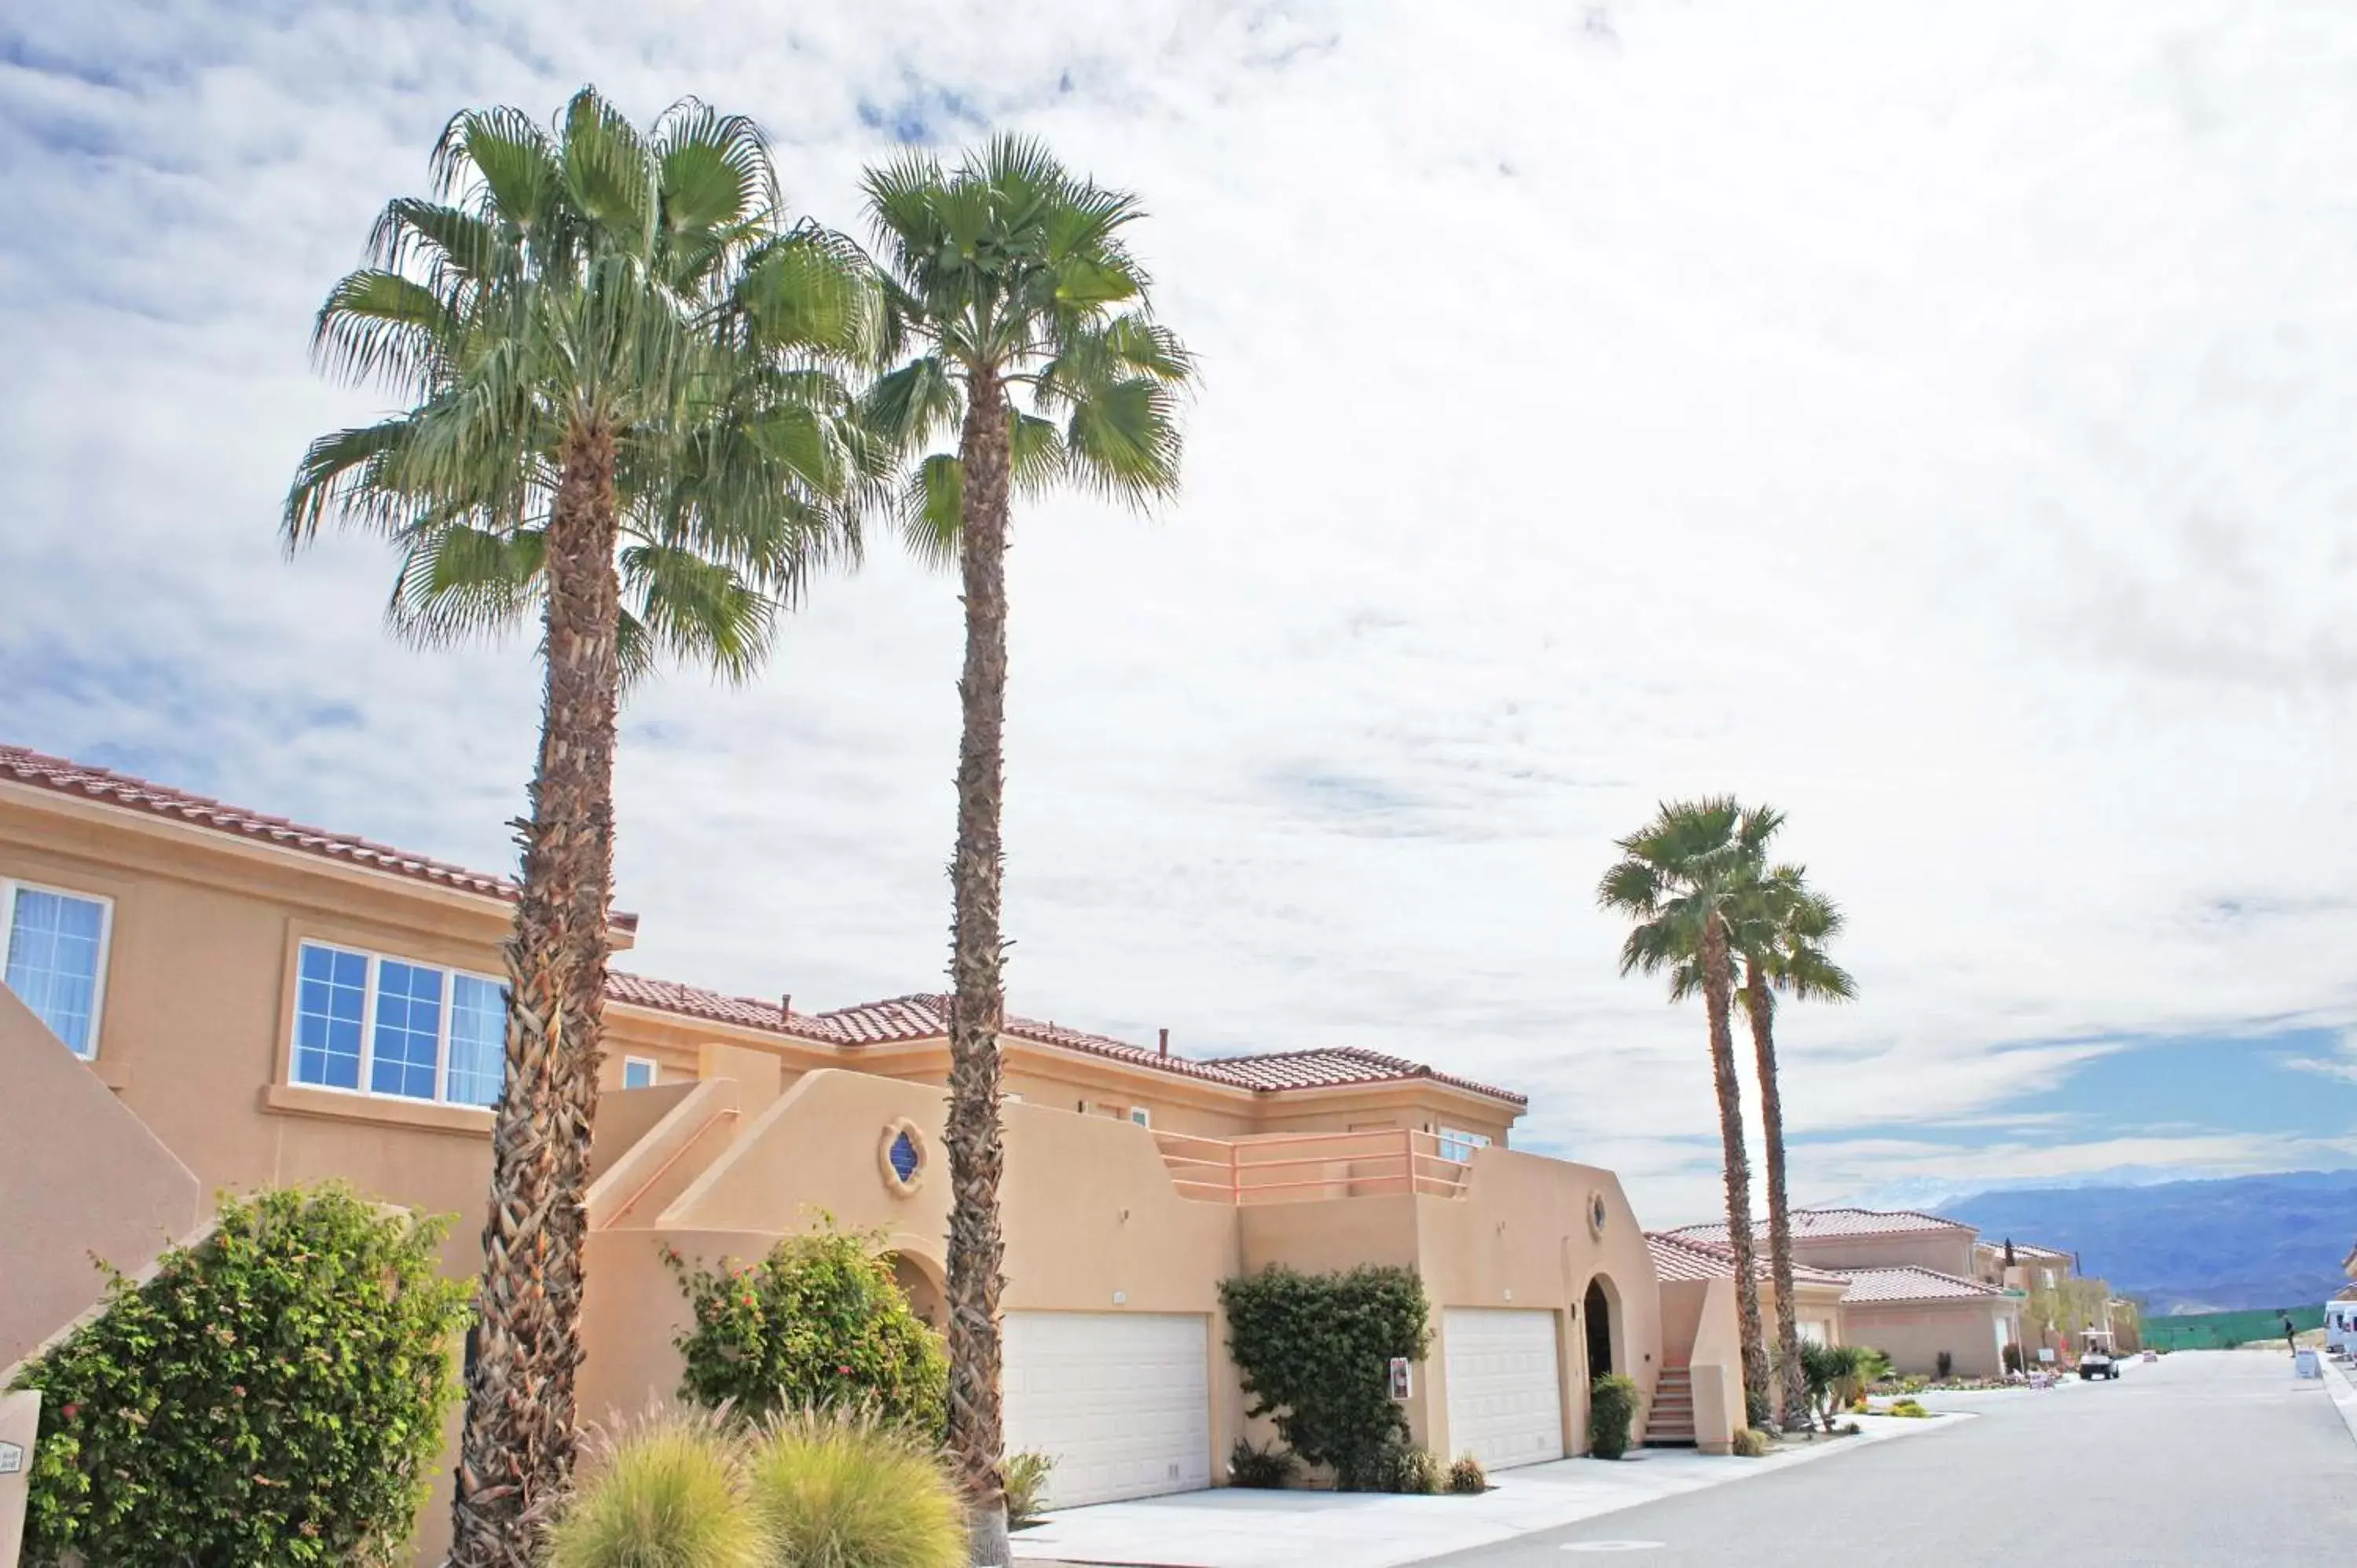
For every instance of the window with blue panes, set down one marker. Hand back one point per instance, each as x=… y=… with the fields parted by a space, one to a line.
x=54 y=945
x=388 y=1027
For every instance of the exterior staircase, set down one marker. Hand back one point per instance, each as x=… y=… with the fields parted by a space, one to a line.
x=1671 y=1421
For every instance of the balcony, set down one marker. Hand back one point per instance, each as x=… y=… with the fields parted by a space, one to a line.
x=1310 y=1167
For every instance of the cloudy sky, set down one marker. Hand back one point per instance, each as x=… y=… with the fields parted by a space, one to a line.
x=1934 y=420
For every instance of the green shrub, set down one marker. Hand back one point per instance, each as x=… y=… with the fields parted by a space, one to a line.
x=1912 y=1408
x=1315 y=1350
x=667 y=1492
x=1266 y=1469
x=1398 y=1466
x=849 y=1490
x=1466 y=1478
x=1750 y=1443
x=819 y=1324
x=1611 y=1413
x=273 y=1394
x=1025 y=1478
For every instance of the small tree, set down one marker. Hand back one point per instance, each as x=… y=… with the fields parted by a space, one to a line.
x=1315 y=1352
x=817 y=1325
x=273 y=1394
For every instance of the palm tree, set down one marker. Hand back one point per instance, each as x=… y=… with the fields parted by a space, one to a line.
x=621 y=419
x=1678 y=878
x=1023 y=324
x=1779 y=935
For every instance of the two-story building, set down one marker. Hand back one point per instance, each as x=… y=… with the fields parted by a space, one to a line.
x=216 y=999
x=1912 y=1289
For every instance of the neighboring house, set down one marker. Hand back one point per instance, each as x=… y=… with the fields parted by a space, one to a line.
x=2021 y=1265
x=1912 y=1293
x=274 y=1003
x=1697 y=1277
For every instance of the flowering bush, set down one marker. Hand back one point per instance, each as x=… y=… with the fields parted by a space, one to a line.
x=819 y=1324
x=272 y=1394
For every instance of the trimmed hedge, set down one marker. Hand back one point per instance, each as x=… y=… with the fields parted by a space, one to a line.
x=1611 y=1413
x=273 y=1394
x=819 y=1324
x=1316 y=1353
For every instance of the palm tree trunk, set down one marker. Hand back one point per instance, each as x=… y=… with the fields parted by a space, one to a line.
x=1718 y=985
x=1760 y=1003
x=976 y=1247
x=515 y=1457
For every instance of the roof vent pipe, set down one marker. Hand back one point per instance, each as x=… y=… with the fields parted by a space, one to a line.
x=786 y=1008
x=1166 y=1042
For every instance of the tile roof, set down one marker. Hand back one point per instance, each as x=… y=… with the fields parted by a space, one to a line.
x=57 y=775
x=1815 y=1224
x=924 y=1015
x=2023 y=1249
x=1678 y=1257
x=694 y=1001
x=1869 y=1287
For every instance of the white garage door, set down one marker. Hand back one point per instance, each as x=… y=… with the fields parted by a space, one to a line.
x=1121 y=1400
x=1505 y=1404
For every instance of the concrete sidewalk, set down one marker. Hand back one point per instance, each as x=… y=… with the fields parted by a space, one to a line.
x=1232 y=1527
x=2344 y=1395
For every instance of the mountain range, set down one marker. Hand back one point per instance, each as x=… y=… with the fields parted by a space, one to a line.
x=2267 y=1241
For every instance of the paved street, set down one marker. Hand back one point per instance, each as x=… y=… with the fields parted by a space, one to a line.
x=2203 y=1458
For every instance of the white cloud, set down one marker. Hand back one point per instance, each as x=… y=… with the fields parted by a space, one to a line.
x=1932 y=421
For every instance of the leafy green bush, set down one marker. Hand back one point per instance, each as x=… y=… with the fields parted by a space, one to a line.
x=273 y=1394
x=817 y=1325
x=1611 y=1413
x=848 y=1490
x=1401 y=1466
x=1266 y=1469
x=1025 y=1479
x=1836 y=1375
x=1750 y=1443
x=1466 y=1478
x=1912 y=1408
x=1315 y=1350
x=667 y=1492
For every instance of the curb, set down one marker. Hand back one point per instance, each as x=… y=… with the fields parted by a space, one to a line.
x=2344 y=1394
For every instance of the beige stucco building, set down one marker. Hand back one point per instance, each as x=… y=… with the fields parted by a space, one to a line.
x=216 y=999
x=1910 y=1287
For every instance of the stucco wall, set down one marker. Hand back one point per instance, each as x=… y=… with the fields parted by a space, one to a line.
x=1949 y=1251
x=1717 y=1365
x=80 y=1177
x=1913 y=1336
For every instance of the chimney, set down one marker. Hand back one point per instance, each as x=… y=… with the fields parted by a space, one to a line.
x=1166 y=1042
x=786 y=1008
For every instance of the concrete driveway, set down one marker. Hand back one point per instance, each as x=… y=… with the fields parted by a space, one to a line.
x=2205 y=1458
x=1234 y=1529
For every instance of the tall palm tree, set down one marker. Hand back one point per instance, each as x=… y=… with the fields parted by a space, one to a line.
x=1022 y=323
x=1678 y=880
x=620 y=418
x=1779 y=935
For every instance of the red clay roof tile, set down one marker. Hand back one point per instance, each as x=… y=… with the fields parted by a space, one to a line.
x=56 y=774
x=1868 y=1287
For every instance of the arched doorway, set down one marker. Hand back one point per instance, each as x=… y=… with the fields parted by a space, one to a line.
x=1597 y=1310
x=914 y=1274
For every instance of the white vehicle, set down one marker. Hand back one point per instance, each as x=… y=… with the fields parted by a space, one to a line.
x=2340 y=1327
x=2095 y=1356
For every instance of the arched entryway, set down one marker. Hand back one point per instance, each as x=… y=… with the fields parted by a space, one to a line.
x=1596 y=1311
x=922 y=1284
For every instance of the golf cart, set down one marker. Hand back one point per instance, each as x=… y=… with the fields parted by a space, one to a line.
x=2095 y=1356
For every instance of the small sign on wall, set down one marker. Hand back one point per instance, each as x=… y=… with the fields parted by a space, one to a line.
x=1401 y=1385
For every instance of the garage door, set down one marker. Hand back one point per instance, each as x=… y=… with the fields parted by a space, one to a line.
x=1505 y=1403
x=1121 y=1400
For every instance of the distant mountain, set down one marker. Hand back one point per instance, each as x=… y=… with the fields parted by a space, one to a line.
x=2267 y=1241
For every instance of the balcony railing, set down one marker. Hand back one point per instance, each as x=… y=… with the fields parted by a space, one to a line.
x=1310 y=1167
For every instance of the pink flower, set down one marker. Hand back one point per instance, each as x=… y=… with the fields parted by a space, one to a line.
x=844 y=1370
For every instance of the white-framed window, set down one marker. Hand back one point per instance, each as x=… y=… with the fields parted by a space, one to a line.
x=1458 y=1145
x=369 y=1024
x=1141 y=1115
x=1812 y=1331
x=640 y=1072
x=53 y=943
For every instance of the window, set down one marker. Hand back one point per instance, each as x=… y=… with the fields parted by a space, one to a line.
x=388 y=1027
x=638 y=1072
x=1141 y=1115
x=1458 y=1145
x=1812 y=1331
x=56 y=948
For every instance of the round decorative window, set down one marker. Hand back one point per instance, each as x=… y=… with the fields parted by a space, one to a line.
x=1598 y=1211
x=902 y=1155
